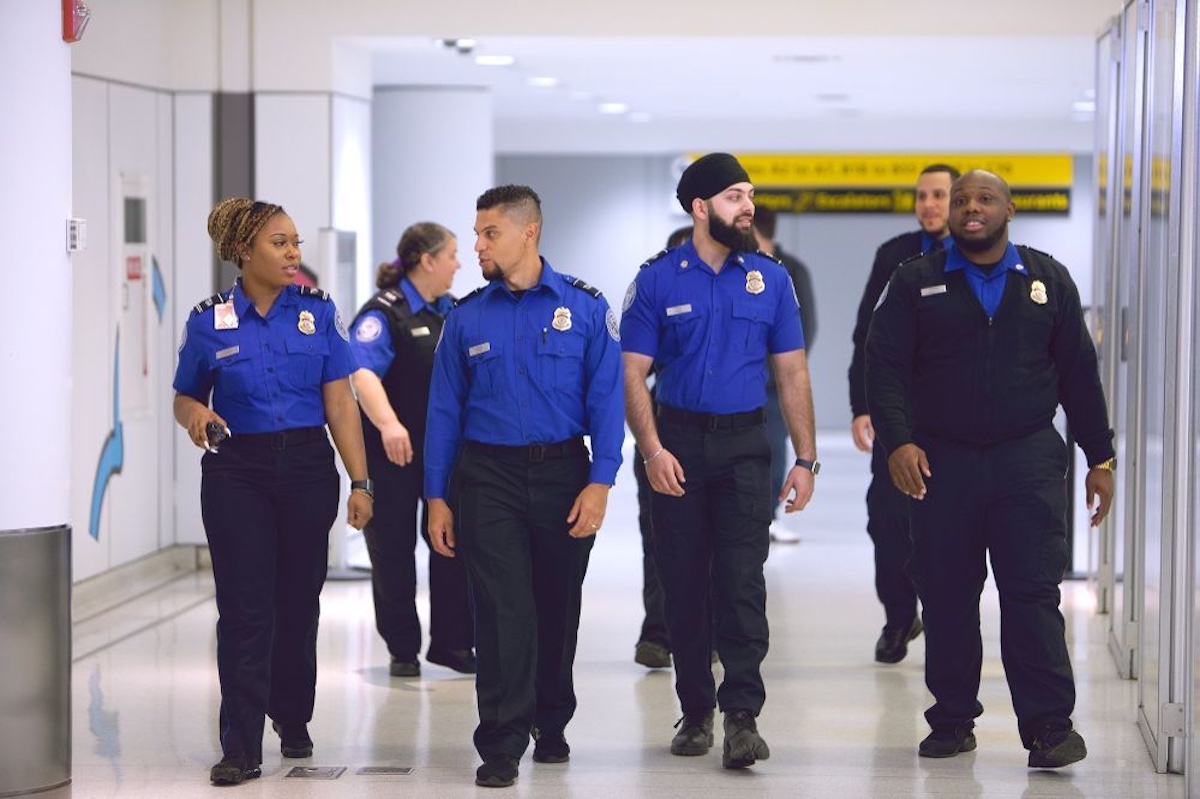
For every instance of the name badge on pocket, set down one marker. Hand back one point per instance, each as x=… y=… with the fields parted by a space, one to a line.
x=420 y=331
x=676 y=310
x=929 y=291
x=228 y=351
x=480 y=349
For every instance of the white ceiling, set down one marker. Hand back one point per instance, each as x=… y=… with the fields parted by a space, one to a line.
x=758 y=85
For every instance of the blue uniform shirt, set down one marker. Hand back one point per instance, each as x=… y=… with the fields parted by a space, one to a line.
x=372 y=340
x=988 y=286
x=539 y=368
x=708 y=332
x=266 y=374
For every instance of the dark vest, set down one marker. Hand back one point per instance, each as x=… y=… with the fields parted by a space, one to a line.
x=414 y=339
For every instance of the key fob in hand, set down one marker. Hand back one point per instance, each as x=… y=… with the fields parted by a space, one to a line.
x=216 y=434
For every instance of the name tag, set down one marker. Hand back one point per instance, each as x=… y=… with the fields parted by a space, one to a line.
x=225 y=353
x=676 y=310
x=420 y=331
x=480 y=349
x=929 y=291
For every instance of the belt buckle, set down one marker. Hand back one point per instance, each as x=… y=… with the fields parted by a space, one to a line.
x=279 y=440
x=714 y=423
x=537 y=453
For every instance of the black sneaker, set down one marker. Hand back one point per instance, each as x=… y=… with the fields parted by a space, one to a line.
x=1056 y=748
x=405 y=668
x=695 y=736
x=460 y=660
x=743 y=745
x=233 y=770
x=947 y=742
x=293 y=739
x=498 y=771
x=652 y=655
x=892 y=646
x=550 y=747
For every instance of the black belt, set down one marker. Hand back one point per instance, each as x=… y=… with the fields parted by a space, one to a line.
x=712 y=421
x=282 y=439
x=534 y=453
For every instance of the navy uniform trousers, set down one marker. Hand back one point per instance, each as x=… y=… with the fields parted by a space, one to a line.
x=526 y=577
x=710 y=546
x=887 y=524
x=268 y=502
x=1008 y=500
x=391 y=538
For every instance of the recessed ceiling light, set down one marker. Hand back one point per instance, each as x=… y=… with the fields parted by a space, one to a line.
x=1084 y=106
x=545 y=83
x=579 y=94
x=613 y=108
x=495 y=60
x=639 y=116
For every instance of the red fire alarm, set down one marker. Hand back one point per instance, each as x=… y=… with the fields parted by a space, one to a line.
x=75 y=18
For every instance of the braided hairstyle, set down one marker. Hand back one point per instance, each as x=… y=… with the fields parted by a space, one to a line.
x=234 y=223
x=417 y=240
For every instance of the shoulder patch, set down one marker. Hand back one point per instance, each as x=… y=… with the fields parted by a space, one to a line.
x=314 y=292
x=654 y=258
x=204 y=305
x=461 y=300
x=582 y=286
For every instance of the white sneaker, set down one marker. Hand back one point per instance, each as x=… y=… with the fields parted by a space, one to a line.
x=781 y=536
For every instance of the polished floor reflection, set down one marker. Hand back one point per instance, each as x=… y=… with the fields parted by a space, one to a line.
x=145 y=694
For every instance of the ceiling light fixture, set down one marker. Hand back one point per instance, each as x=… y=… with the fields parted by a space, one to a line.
x=495 y=60
x=613 y=108
x=543 y=82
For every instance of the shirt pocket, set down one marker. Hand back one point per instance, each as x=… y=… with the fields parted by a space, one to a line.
x=487 y=373
x=750 y=326
x=305 y=361
x=683 y=332
x=560 y=361
x=234 y=372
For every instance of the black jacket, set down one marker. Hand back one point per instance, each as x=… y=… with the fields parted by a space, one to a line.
x=980 y=381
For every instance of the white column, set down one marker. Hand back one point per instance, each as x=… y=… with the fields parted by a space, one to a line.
x=432 y=156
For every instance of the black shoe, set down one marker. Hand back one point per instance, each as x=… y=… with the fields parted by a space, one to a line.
x=405 y=668
x=233 y=770
x=652 y=655
x=550 y=747
x=498 y=771
x=695 y=736
x=293 y=739
x=460 y=660
x=743 y=745
x=947 y=742
x=1056 y=748
x=892 y=645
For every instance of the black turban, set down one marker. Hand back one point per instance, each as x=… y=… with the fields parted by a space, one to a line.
x=708 y=176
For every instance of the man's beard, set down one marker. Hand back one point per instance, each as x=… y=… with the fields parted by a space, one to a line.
x=730 y=236
x=984 y=244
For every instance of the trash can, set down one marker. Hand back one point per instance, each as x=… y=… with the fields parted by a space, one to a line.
x=35 y=659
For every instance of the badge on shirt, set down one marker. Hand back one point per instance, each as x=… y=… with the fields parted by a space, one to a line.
x=224 y=316
x=307 y=324
x=929 y=291
x=368 y=329
x=229 y=351
x=754 y=282
x=1037 y=292
x=562 y=320
x=479 y=349
x=676 y=310
x=417 y=332
x=614 y=329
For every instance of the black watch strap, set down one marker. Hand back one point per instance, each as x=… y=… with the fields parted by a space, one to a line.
x=812 y=466
x=366 y=486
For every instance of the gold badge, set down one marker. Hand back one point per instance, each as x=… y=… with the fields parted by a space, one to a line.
x=306 y=323
x=754 y=282
x=562 y=319
x=1037 y=292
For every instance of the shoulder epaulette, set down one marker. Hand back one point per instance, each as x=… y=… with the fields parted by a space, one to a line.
x=654 y=258
x=912 y=258
x=582 y=286
x=204 y=305
x=771 y=257
x=1035 y=249
x=459 y=302
x=389 y=297
x=314 y=292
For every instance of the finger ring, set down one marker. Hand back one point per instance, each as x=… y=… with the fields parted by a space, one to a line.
x=595 y=525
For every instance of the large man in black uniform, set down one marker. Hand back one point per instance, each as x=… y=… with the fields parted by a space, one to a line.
x=887 y=508
x=969 y=354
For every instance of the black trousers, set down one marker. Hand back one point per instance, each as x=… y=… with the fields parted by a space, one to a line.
x=391 y=543
x=710 y=546
x=887 y=524
x=267 y=506
x=1009 y=501
x=654 y=622
x=526 y=576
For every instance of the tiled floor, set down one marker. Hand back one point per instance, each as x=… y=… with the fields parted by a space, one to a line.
x=145 y=694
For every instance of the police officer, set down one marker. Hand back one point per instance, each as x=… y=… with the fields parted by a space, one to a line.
x=887 y=508
x=526 y=367
x=275 y=359
x=969 y=354
x=706 y=315
x=393 y=339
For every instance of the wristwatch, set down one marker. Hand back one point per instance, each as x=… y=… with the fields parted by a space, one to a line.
x=1110 y=464
x=366 y=486
x=812 y=466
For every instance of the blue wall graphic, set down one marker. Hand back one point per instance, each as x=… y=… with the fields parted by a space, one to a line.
x=112 y=454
